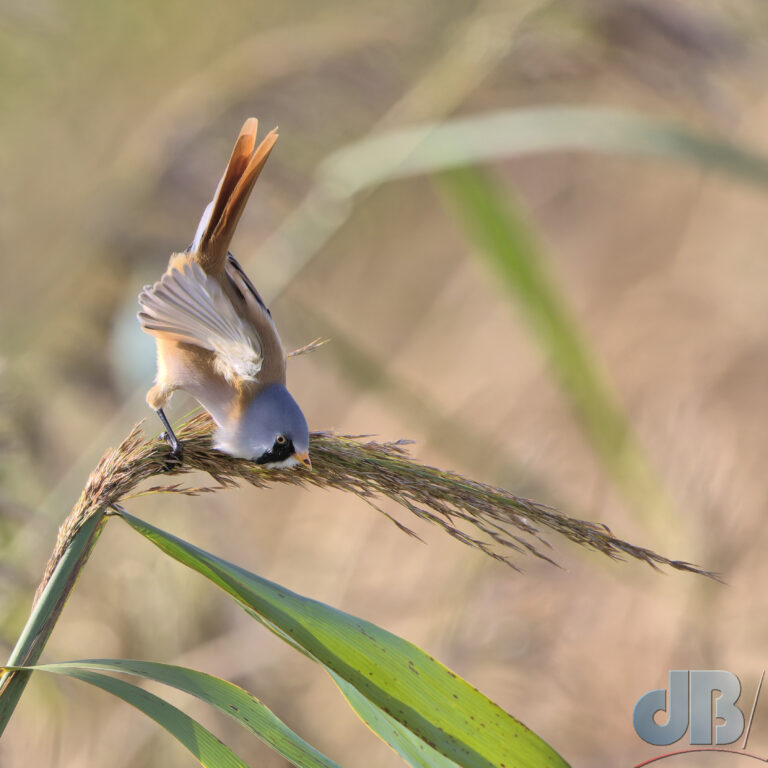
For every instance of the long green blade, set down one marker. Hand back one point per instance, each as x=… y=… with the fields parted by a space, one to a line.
x=209 y=751
x=225 y=696
x=45 y=613
x=418 y=692
x=492 y=136
x=494 y=221
x=410 y=747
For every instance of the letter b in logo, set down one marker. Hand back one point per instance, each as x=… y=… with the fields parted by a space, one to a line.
x=692 y=702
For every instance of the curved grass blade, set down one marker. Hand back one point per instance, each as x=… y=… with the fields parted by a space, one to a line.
x=418 y=692
x=208 y=750
x=490 y=136
x=225 y=696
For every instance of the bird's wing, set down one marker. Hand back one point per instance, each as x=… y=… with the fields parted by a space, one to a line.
x=187 y=305
x=254 y=311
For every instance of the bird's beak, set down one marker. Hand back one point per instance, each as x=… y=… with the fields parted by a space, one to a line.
x=303 y=458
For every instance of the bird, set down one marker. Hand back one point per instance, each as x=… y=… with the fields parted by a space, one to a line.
x=215 y=336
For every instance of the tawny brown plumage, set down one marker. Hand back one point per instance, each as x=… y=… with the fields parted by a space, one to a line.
x=215 y=336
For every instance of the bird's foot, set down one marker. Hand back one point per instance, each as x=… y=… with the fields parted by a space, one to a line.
x=174 y=460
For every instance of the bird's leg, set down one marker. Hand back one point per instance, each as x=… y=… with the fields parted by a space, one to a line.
x=175 y=457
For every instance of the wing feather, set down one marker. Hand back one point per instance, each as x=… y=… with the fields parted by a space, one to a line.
x=189 y=306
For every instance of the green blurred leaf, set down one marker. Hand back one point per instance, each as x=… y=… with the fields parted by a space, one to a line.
x=490 y=136
x=416 y=691
x=494 y=220
x=225 y=696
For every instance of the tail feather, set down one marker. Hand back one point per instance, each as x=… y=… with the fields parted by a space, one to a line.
x=222 y=216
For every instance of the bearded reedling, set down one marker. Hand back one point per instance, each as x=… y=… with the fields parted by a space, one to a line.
x=215 y=336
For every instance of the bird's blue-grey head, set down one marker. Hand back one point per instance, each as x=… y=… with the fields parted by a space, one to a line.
x=271 y=431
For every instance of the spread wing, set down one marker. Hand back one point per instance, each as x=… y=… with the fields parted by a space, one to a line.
x=187 y=305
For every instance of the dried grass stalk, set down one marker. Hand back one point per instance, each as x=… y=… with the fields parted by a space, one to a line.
x=489 y=519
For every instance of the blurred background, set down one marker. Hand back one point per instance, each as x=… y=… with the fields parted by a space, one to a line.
x=116 y=120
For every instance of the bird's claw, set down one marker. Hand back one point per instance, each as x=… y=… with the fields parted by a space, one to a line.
x=174 y=460
x=175 y=457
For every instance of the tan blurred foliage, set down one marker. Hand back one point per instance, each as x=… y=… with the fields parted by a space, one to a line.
x=115 y=122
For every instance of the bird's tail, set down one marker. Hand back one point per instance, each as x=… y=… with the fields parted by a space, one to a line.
x=214 y=233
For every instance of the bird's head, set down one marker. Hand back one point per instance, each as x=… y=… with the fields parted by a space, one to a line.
x=271 y=431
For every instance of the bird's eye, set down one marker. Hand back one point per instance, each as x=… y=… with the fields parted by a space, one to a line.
x=280 y=440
